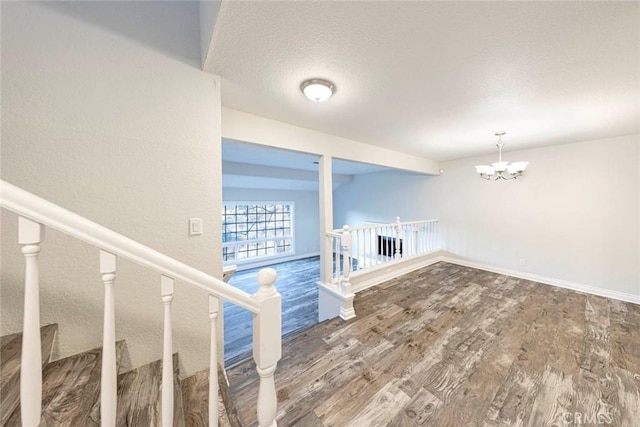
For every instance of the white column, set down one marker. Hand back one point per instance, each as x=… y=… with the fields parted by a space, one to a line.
x=30 y=235
x=267 y=347
x=213 y=362
x=109 y=374
x=166 y=288
x=326 y=216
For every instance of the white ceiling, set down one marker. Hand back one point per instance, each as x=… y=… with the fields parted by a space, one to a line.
x=240 y=152
x=248 y=165
x=437 y=79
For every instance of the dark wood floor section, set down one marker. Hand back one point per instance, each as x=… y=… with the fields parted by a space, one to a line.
x=455 y=346
x=296 y=283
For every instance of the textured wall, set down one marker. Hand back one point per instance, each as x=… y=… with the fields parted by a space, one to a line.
x=106 y=113
x=574 y=216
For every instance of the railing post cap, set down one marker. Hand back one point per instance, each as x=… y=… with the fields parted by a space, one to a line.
x=267 y=277
x=345 y=227
x=397 y=218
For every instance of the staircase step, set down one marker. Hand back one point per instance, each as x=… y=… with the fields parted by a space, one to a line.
x=71 y=390
x=139 y=396
x=195 y=395
x=10 y=354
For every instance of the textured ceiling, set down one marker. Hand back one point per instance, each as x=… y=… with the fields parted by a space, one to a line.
x=437 y=79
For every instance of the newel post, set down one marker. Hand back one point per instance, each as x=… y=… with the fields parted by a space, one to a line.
x=267 y=348
x=398 y=254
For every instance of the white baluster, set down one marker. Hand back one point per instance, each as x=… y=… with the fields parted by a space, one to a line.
x=366 y=242
x=397 y=254
x=30 y=235
x=166 y=288
x=432 y=236
x=389 y=252
x=370 y=248
x=346 y=260
x=338 y=260
x=435 y=236
x=213 y=362
x=109 y=374
x=355 y=252
x=267 y=348
x=376 y=245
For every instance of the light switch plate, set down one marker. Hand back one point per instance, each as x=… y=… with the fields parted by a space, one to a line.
x=195 y=226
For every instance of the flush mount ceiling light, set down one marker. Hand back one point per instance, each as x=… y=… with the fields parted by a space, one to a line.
x=317 y=90
x=500 y=169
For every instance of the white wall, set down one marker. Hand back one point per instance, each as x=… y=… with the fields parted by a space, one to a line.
x=106 y=113
x=307 y=227
x=381 y=197
x=245 y=127
x=574 y=216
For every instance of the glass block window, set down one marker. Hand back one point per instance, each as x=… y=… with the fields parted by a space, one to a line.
x=254 y=230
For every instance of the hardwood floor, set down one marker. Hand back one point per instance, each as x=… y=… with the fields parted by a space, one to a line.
x=455 y=346
x=296 y=283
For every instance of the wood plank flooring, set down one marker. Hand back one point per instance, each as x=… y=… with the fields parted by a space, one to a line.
x=10 y=355
x=140 y=396
x=296 y=283
x=195 y=397
x=71 y=390
x=455 y=346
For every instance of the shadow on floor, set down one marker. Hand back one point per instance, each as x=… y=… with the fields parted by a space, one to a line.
x=296 y=283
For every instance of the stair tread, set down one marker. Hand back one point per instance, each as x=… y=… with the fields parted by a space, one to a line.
x=71 y=390
x=140 y=395
x=10 y=355
x=195 y=396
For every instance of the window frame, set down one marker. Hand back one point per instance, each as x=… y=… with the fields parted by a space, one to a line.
x=237 y=243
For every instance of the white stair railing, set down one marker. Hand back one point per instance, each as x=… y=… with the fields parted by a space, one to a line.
x=356 y=249
x=342 y=261
x=35 y=213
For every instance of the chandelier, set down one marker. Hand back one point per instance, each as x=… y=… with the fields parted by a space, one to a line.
x=500 y=169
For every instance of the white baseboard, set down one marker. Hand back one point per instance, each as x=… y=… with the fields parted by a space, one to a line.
x=361 y=280
x=273 y=260
x=588 y=289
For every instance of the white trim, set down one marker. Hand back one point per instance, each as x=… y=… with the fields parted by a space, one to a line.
x=53 y=216
x=333 y=303
x=588 y=289
x=237 y=243
x=366 y=278
x=263 y=261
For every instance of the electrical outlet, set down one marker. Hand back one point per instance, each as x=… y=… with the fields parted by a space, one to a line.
x=523 y=262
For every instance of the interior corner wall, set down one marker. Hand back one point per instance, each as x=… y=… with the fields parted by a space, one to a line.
x=307 y=227
x=106 y=112
x=382 y=196
x=573 y=216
